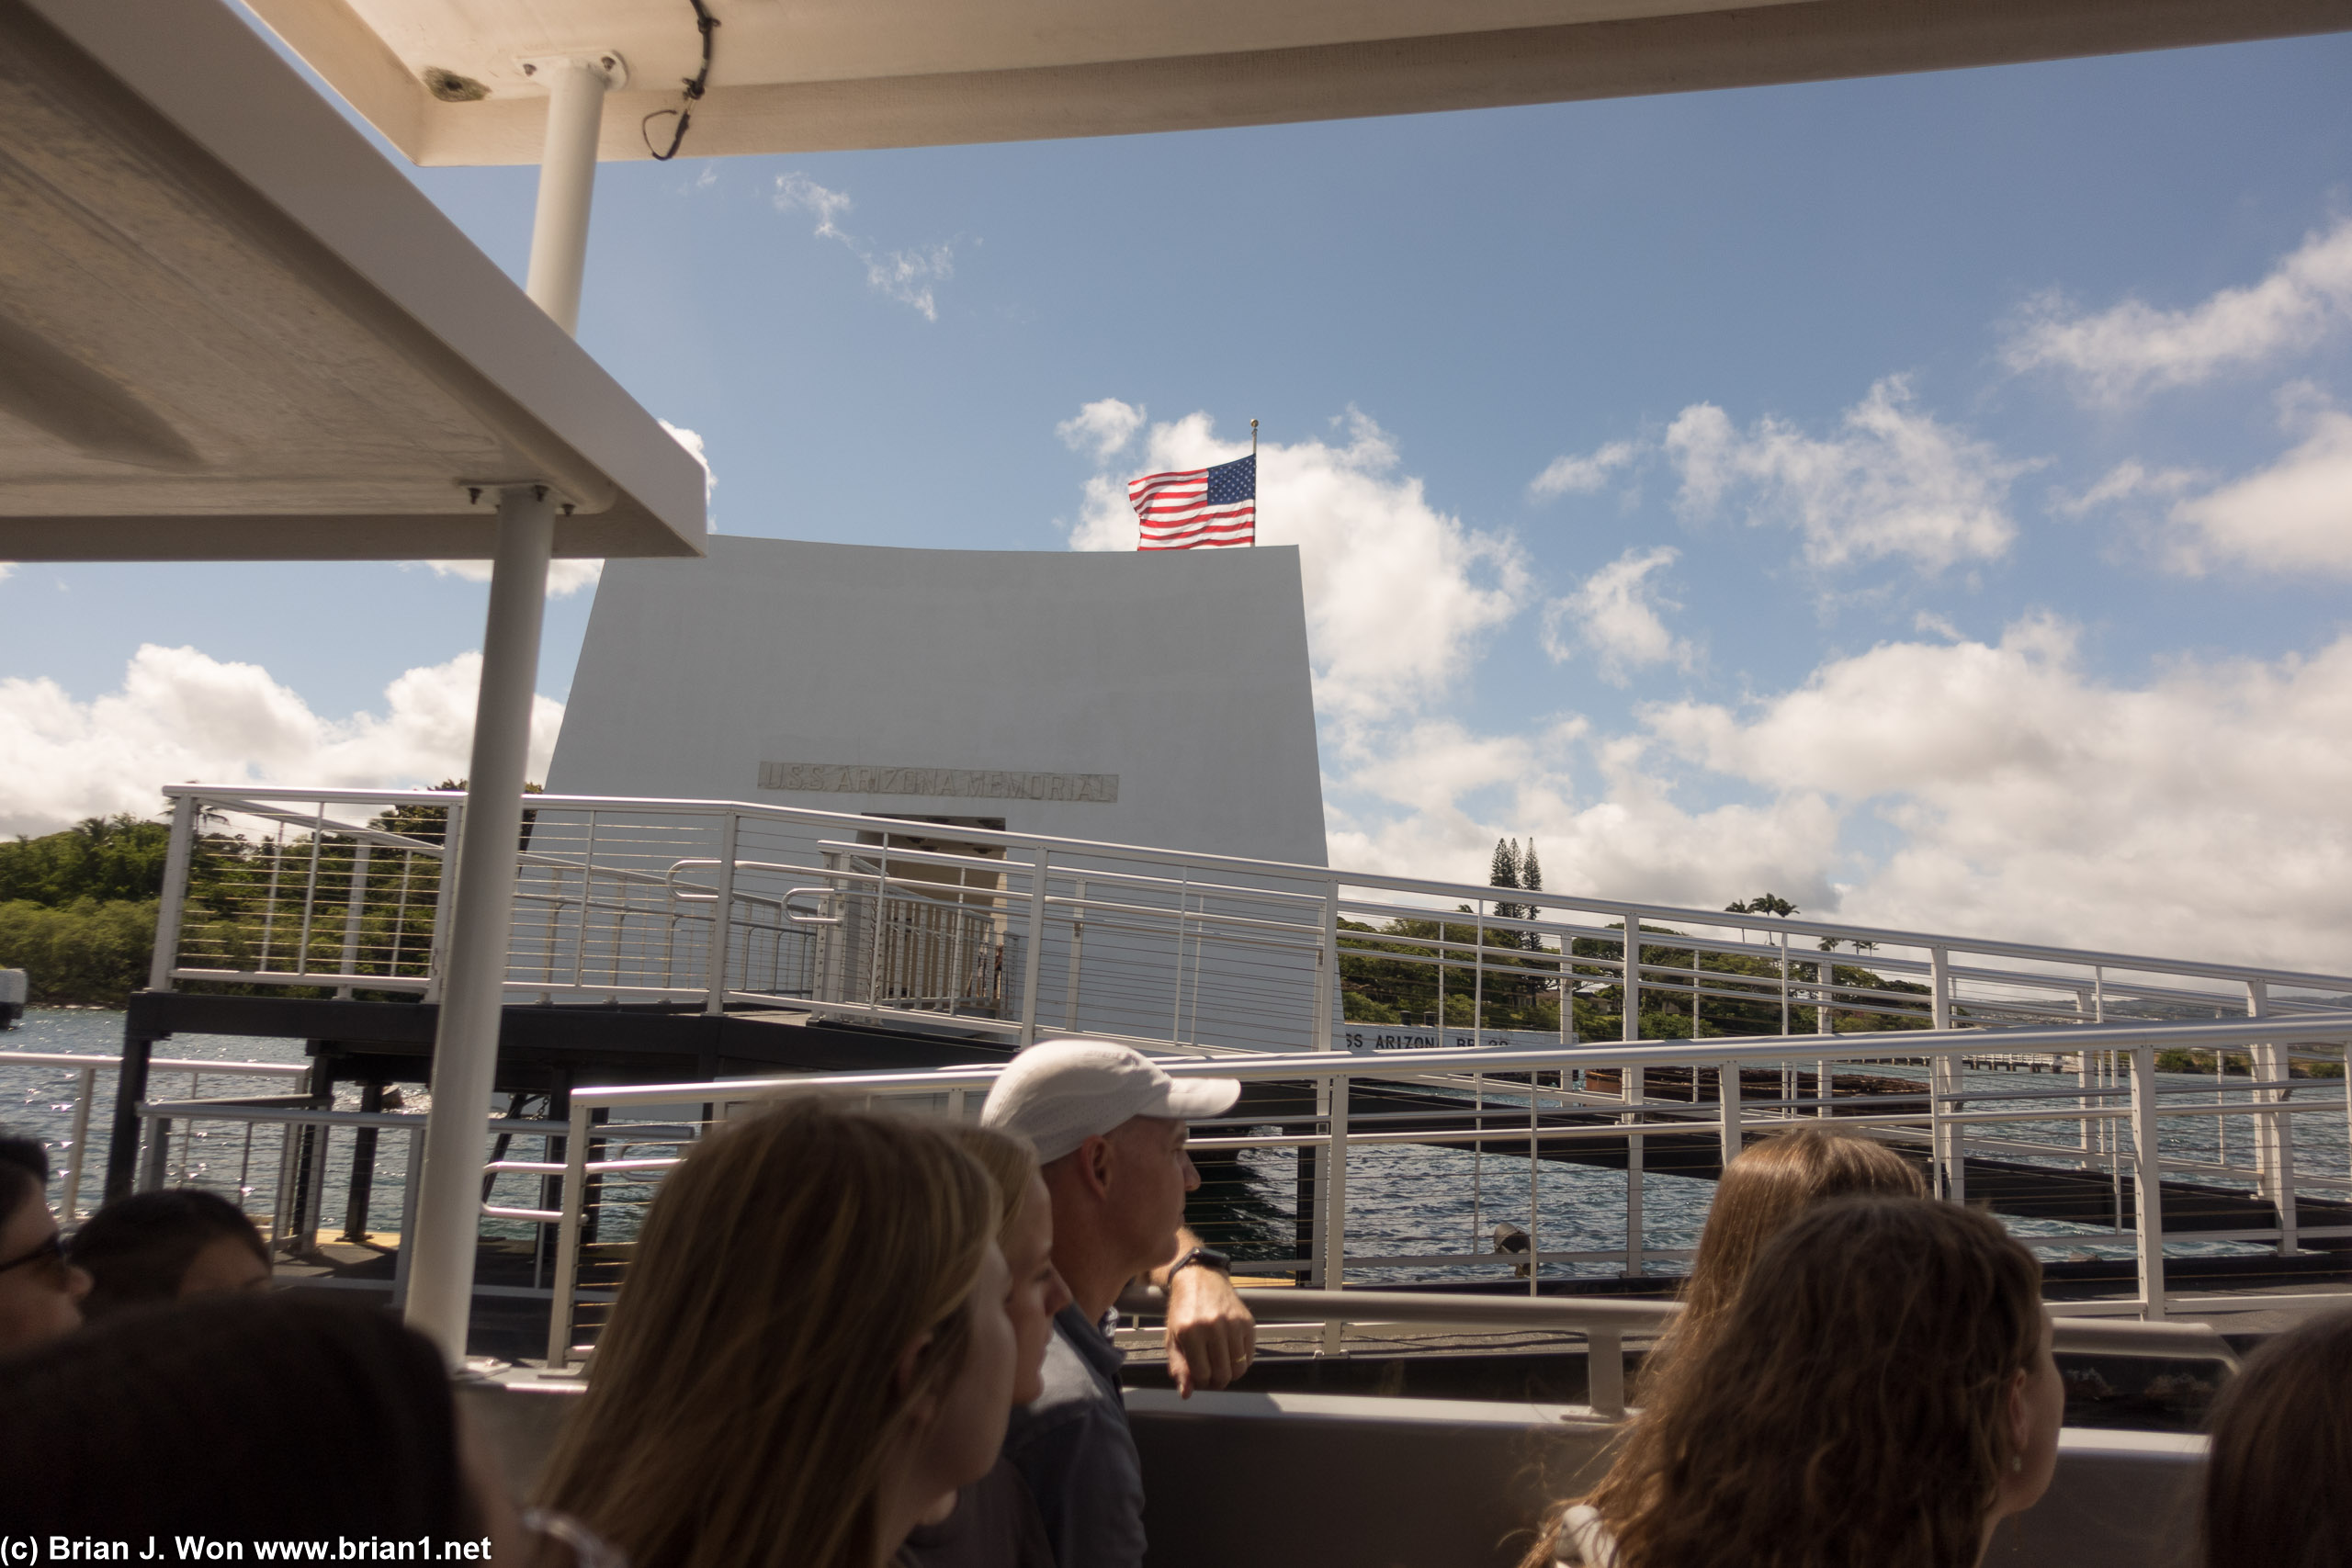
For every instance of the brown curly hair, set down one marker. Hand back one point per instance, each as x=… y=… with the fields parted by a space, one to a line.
x=1851 y=1408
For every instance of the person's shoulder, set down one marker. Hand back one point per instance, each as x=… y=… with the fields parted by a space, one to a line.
x=1585 y=1539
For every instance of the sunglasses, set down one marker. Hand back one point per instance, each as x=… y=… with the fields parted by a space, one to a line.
x=49 y=1257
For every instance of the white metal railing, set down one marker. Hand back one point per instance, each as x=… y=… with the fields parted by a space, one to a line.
x=1009 y=935
x=286 y=1139
x=1499 y=1094
x=606 y=1158
x=1245 y=964
x=85 y=1066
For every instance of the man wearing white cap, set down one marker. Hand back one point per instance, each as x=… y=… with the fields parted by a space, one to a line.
x=1109 y=1128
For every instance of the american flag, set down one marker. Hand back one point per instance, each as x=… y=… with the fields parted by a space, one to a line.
x=1199 y=506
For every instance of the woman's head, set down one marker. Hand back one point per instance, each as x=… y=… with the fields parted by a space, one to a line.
x=1025 y=1232
x=1881 y=1391
x=1766 y=1188
x=152 y=1246
x=2281 y=1447
x=237 y=1418
x=809 y=1348
x=41 y=1290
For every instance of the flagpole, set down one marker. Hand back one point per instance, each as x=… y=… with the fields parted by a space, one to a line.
x=1253 y=484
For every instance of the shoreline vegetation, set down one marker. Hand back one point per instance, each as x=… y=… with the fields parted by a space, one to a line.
x=78 y=907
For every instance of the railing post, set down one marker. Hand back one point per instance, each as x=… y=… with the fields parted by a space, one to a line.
x=1727 y=1089
x=2083 y=1077
x=176 y=860
x=444 y=902
x=86 y=1089
x=1077 y=956
x=1327 y=988
x=355 y=908
x=567 y=1239
x=2147 y=1182
x=158 y=1164
x=1631 y=1089
x=407 y=1217
x=1036 y=951
x=1630 y=1004
x=2274 y=1133
x=1534 y=1188
x=1335 y=1209
x=1945 y=1080
x=722 y=914
x=1315 y=1176
x=1604 y=1372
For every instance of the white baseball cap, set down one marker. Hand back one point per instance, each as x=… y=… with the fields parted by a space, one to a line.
x=1063 y=1092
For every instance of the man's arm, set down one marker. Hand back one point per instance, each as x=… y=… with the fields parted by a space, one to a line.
x=1212 y=1339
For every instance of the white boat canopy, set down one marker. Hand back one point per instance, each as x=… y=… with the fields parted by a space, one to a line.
x=230 y=330
x=463 y=81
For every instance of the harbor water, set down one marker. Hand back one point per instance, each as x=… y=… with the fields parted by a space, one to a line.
x=1404 y=1201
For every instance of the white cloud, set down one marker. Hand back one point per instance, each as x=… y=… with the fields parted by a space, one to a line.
x=691 y=441
x=2194 y=814
x=1608 y=824
x=7 y=568
x=1106 y=425
x=2293 y=517
x=910 y=277
x=1582 y=476
x=1614 y=614
x=181 y=714
x=566 y=576
x=1891 y=481
x=1399 y=594
x=2135 y=347
x=2128 y=480
x=2197 y=814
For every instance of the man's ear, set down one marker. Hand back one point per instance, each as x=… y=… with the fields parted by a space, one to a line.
x=1096 y=1159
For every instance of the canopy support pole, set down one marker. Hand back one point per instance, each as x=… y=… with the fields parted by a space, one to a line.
x=465 y=1049
x=575 y=86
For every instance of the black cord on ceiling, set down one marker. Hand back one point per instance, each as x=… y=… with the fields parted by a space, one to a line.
x=705 y=24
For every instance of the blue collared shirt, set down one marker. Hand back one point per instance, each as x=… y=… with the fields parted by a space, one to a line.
x=1073 y=1448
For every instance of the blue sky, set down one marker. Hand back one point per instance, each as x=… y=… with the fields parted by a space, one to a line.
x=1846 y=589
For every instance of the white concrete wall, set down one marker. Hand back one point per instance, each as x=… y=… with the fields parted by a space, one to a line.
x=1184 y=673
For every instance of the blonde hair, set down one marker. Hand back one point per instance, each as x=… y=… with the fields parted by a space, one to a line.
x=1011 y=1162
x=1853 y=1408
x=743 y=1408
x=1760 y=1195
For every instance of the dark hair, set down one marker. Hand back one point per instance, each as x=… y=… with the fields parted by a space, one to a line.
x=2281 y=1447
x=24 y=1173
x=236 y=1417
x=138 y=1248
x=1851 y=1408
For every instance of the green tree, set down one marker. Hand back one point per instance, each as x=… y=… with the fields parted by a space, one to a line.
x=1504 y=873
x=1763 y=904
x=87 y=952
x=101 y=857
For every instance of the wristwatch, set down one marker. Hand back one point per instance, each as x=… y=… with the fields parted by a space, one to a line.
x=1206 y=1256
